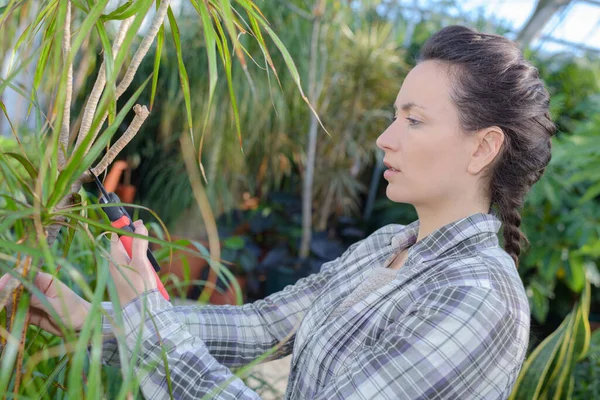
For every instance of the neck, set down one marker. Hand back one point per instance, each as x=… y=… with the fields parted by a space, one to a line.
x=433 y=218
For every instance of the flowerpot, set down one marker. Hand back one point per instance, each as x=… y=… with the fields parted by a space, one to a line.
x=198 y=272
x=126 y=193
x=228 y=297
x=111 y=182
x=176 y=271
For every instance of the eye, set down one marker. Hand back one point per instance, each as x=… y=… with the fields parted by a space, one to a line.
x=412 y=122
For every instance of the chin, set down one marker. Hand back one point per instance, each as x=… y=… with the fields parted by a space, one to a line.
x=397 y=196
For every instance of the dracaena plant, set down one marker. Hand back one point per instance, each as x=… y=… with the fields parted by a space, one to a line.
x=46 y=219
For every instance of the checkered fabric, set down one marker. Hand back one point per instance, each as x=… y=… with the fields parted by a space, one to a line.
x=452 y=324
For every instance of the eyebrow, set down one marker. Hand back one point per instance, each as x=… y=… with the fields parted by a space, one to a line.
x=408 y=106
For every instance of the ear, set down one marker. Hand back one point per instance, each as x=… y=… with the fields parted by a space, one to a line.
x=487 y=145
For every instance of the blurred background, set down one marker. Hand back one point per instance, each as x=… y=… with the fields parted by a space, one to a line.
x=352 y=57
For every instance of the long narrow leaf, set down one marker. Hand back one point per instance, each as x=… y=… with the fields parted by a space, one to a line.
x=183 y=76
x=109 y=67
x=31 y=170
x=210 y=38
x=160 y=39
x=293 y=70
x=226 y=58
x=537 y=366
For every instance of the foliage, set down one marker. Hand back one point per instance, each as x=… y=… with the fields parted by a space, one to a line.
x=358 y=65
x=548 y=371
x=565 y=198
x=47 y=220
x=587 y=372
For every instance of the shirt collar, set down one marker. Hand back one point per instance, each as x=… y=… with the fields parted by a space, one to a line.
x=456 y=237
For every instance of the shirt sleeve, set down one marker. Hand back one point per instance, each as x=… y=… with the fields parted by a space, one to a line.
x=454 y=343
x=236 y=335
x=169 y=361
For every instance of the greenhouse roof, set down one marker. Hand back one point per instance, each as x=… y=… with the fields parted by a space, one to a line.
x=547 y=25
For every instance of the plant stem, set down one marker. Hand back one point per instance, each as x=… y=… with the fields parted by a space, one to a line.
x=141 y=52
x=312 y=135
x=94 y=98
x=63 y=140
x=141 y=113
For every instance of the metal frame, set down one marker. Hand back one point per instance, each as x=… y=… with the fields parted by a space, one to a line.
x=535 y=24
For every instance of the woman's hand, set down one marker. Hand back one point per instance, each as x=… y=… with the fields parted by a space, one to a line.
x=71 y=309
x=132 y=276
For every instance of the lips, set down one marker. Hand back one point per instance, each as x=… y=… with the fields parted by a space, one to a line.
x=387 y=164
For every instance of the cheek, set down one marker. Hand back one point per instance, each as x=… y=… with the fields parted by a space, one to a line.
x=438 y=159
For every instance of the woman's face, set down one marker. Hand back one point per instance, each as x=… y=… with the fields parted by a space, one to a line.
x=426 y=152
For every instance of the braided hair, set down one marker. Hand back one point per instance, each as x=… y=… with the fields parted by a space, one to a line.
x=496 y=86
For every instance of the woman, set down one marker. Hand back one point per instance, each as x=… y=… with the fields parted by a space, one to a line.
x=434 y=309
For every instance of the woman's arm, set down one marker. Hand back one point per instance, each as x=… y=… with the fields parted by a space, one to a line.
x=236 y=335
x=170 y=361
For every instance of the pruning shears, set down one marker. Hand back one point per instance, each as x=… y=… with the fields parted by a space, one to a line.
x=120 y=219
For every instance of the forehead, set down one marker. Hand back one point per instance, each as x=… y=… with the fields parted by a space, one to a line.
x=427 y=85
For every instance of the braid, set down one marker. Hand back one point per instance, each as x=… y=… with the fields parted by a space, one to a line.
x=510 y=184
x=509 y=211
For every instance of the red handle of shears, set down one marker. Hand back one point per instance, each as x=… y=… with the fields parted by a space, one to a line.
x=128 y=244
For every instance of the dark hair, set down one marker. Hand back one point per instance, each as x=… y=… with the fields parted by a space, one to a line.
x=496 y=86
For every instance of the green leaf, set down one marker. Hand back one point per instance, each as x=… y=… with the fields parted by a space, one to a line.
x=226 y=58
x=123 y=12
x=51 y=379
x=575 y=272
x=210 y=39
x=575 y=345
x=109 y=71
x=19 y=184
x=548 y=371
x=31 y=170
x=293 y=70
x=550 y=266
x=47 y=44
x=540 y=304
x=537 y=366
x=183 y=76
x=234 y=243
x=591 y=193
x=159 y=46
x=27 y=33
x=6 y=10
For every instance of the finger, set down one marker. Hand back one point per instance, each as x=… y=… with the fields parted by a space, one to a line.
x=55 y=294
x=41 y=319
x=45 y=282
x=140 y=246
x=118 y=254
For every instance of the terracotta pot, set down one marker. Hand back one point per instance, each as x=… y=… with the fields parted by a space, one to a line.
x=197 y=266
x=114 y=175
x=228 y=297
x=126 y=193
x=177 y=269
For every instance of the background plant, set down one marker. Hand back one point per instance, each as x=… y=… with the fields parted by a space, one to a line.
x=41 y=184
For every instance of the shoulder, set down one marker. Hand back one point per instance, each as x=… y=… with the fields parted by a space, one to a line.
x=491 y=276
x=491 y=268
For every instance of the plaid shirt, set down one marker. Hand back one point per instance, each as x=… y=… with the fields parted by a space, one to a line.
x=453 y=324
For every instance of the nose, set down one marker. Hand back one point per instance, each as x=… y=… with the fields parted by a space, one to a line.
x=388 y=140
